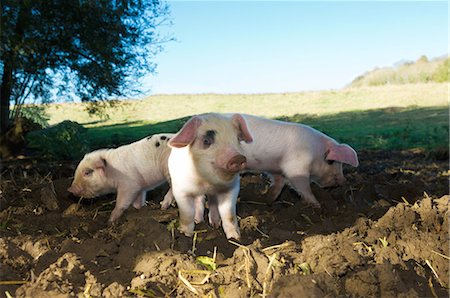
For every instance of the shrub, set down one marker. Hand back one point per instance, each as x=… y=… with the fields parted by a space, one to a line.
x=441 y=73
x=422 y=71
x=35 y=114
x=65 y=140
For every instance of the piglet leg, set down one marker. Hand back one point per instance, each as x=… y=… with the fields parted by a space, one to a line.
x=227 y=210
x=276 y=187
x=123 y=201
x=302 y=185
x=199 y=209
x=186 y=208
x=140 y=200
x=168 y=200
x=213 y=215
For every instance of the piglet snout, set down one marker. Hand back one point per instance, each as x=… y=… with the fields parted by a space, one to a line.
x=237 y=163
x=75 y=189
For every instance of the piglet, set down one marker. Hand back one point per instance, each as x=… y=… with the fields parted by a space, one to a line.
x=206 y=159
x=298 y=153
x=129 y=171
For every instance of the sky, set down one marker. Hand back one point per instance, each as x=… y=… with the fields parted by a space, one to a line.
x=291 y=46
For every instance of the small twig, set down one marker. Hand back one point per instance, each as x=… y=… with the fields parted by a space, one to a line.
x=45 y=177
x=32 y=276
x=262 y=233
x=187 y=283
x=246 y=251
x=237 y=244
x=194 y=240
x=328 y=272
x=434 y=272
x=156 y=245
x=95 y=214
x=172 y=244
x=430 y=284
x=405 y=201
x=351 y=195
x=247 y=268
x=284 y=202
x=13 y=282
x=439 y=254
x=282 y=245
x=272 y=258
x=173 y=290
x=253 y=202
x=108 y=203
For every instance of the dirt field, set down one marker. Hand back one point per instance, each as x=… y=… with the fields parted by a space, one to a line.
x=385 y=234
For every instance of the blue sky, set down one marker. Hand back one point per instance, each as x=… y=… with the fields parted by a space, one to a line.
x=289 y=46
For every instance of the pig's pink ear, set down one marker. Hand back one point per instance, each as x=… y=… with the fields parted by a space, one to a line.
x=342 y=153
x=100 y=165
x=239 y=122
x=187 y=133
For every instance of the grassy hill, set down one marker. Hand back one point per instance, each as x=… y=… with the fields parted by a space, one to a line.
x=367 y=117
x=154 y=109
x=421 y=71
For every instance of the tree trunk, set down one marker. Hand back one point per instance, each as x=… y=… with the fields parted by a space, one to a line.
x=8 y=59
x=5 y=94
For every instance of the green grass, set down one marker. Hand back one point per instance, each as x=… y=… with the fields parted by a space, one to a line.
x=389 y=128
x=160 y=108
x=382 y=117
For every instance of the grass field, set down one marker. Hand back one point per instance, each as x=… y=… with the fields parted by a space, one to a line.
x=382 y=117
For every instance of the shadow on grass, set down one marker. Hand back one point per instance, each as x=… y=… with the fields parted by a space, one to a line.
x=389 y=128
x=124 y=133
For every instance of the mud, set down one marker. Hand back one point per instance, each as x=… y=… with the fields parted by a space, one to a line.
x=384 y=234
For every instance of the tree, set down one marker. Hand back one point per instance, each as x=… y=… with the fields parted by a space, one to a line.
x=91 y=49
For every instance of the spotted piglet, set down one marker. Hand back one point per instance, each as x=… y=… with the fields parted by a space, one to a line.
x=206 y=159
x=129 y=171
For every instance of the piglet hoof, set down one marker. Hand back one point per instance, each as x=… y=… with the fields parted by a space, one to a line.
x=313 y=203
x=215 y=223
x=115 y=214
x=186 y=231
x=112 y=223
x=316 y=205
x=214 y=219
x=165 y=205
x=234 y=236
x=232 y=233
x=198 y=219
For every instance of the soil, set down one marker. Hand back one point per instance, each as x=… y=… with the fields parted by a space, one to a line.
x=384 y=234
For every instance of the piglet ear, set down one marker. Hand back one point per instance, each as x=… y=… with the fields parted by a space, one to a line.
x=342 y=153
x=239 y=122
x=99 y=165
x=187 y=133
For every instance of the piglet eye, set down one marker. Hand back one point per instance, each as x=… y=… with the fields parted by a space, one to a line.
x=330 y=162
x=208 y=138
x=88 y=172
x=207 y=142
